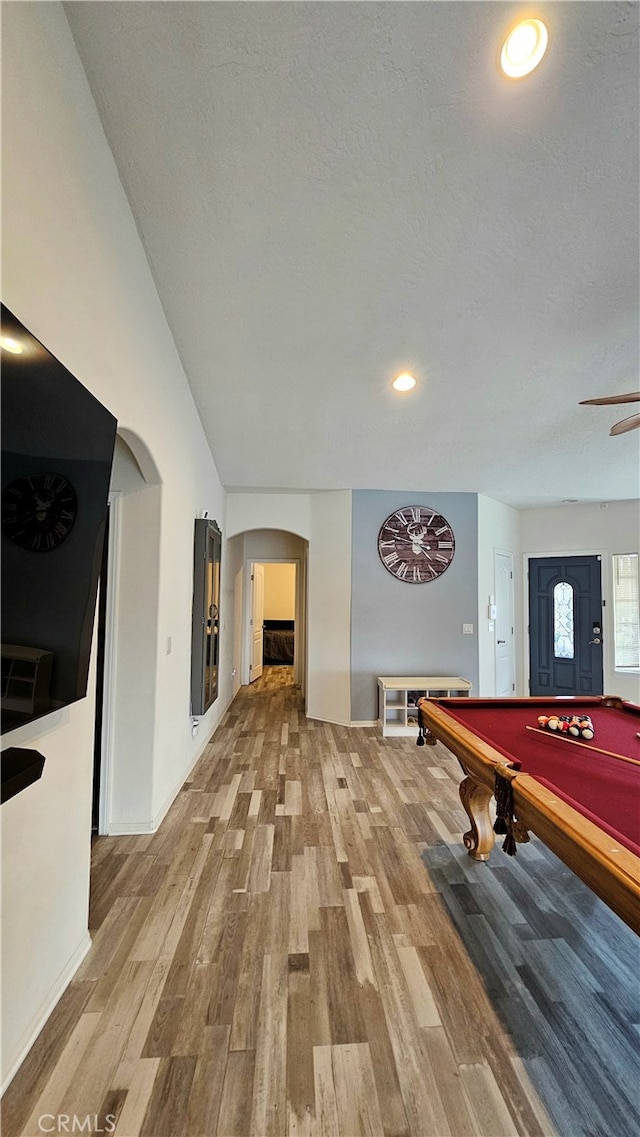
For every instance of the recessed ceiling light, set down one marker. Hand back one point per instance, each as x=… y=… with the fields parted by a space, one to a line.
x=523 y=48
x=9 y=344
x=404 y=382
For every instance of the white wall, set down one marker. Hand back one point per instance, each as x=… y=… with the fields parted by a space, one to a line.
x=602 y=529
x=272 y=544
x=137 y=571
x=498 y=531
x=287 y=511
x=126 y=476
x=279 y=592
x=329 y=608
x=76 y=275
x=45 y=877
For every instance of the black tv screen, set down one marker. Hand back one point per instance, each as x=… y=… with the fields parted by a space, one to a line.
x=57 y=453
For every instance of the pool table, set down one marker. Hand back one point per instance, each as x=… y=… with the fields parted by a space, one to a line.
x=583 y=804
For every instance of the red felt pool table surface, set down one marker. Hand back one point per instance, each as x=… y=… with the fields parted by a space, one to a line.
x=604 y=789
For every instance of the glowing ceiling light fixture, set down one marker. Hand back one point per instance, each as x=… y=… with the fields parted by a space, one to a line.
x=9 y=344
x=523 y=48
x=404 y=382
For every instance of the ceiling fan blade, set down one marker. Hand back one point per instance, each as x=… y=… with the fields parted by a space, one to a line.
x=633 y=397
x=626 y=424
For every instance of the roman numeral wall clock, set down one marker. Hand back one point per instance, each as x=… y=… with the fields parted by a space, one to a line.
x=38 y=511
x=416 y=544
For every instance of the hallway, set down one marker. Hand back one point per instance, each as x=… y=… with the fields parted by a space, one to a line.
x=304 y=948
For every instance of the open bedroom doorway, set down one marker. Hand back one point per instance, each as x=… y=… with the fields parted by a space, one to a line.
x=274 y=600
x=283 y=556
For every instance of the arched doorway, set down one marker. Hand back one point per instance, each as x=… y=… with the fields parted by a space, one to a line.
x=126 y=704
x=271 y=547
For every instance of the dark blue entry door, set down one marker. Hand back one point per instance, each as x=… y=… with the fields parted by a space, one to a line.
x=565 y=626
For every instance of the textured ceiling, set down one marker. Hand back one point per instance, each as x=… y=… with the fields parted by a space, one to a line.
x=329 y=193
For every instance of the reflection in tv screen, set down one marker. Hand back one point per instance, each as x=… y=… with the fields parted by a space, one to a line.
x=57 y=452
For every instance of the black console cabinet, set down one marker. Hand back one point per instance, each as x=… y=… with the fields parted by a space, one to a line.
x=20 y=768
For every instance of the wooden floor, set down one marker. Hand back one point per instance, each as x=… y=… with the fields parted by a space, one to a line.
x=304 y=947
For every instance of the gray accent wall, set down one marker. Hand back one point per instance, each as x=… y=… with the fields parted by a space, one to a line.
x=410 y=629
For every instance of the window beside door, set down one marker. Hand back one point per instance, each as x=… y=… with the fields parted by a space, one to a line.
x=626 y=612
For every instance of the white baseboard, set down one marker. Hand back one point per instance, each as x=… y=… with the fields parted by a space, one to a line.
x=337 y=722
x=52 y=998
x=130 y=828
x=332 y=722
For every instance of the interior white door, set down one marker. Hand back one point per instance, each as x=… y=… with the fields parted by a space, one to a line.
x=257 y=621
x=504 y=624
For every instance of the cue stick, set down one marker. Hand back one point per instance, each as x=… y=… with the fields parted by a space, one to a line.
x=584 y=745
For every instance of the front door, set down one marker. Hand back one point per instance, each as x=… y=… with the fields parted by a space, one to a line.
x=257 y=621
x=565 y=626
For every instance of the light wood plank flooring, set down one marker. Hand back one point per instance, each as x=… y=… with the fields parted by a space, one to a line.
x=304 y=949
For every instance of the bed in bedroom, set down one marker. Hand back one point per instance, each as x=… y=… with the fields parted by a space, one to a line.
x=278 y=642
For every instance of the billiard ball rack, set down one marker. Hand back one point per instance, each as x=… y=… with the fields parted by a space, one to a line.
x=578 y=726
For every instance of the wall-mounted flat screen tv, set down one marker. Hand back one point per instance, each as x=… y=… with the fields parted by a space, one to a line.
x=57 y=453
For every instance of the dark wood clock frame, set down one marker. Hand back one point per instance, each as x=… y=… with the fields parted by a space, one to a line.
x=416 y=544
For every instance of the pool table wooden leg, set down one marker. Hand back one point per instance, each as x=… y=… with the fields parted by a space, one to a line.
x=475 y=798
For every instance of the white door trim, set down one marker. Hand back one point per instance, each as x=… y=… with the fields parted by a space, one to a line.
x=256 y=664
x=110 y=663
x=506 y=553
x=300 y=612
x=607 y=603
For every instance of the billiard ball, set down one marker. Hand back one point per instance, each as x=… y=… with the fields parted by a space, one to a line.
x=586 y=728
